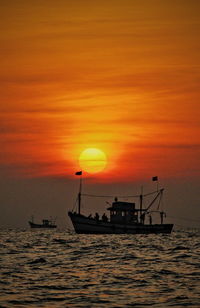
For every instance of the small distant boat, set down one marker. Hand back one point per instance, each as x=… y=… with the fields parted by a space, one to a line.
x=46 y=224
x=125 y=217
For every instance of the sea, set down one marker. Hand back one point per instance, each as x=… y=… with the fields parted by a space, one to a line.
x=58 y=268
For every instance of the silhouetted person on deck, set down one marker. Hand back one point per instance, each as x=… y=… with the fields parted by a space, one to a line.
x=96 y=216
x=150 y=220
x=104 y=217
x=142 y=218
x=162 y=214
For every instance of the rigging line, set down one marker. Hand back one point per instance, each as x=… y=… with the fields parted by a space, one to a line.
x=184 y=218
x=154 y=192
x=123 y=196
x=187 y=227
x=160 y=199
x=152 y=202
x=109 y=196
x=75 y=203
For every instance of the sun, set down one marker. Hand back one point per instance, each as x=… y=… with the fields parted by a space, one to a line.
x=92 y=160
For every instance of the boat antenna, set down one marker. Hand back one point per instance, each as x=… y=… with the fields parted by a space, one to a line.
x=80 y=190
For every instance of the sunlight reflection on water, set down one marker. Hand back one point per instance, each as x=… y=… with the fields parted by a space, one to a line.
x=60 y=269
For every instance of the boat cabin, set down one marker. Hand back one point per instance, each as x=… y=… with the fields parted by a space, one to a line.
x=46 y=222
x=123 y=212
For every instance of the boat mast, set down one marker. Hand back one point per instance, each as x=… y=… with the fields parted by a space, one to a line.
x=79 y=194
x=141 y=200
x=79 y=173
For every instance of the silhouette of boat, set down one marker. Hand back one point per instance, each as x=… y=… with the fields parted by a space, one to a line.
x=124 y=218
x=46 y=224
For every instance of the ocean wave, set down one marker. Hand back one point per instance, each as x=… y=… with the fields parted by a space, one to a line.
x=69 y=270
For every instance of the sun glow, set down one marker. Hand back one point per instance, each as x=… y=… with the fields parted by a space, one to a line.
x=93 y=160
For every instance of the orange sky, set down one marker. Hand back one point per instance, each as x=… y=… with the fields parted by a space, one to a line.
x=122 y=76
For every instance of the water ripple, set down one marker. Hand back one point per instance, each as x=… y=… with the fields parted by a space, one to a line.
x=60 y=269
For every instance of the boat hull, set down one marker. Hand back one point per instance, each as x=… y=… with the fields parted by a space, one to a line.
x=41 y=226
x=86 y=225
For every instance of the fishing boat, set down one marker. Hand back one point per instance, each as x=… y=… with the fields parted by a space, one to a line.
x=124 y=217
x=46 y=224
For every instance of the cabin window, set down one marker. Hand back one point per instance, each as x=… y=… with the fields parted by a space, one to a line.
x=123 y=213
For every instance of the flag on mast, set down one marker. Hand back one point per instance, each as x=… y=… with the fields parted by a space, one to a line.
x=154 y=178
x=78 y=173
